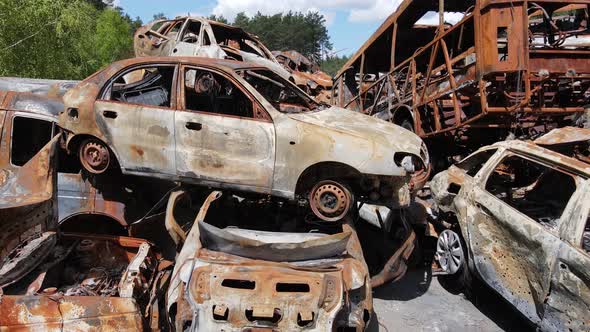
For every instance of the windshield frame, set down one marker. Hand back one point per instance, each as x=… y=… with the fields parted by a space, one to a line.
x=311 y=104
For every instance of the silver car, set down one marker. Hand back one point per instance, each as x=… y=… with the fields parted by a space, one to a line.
x=198 y=36
x=235 y=125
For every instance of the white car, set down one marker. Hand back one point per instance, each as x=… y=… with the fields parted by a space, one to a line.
x=197 y=36
x=235 y=125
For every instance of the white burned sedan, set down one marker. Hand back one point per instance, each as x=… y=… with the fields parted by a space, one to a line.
x=239 y=126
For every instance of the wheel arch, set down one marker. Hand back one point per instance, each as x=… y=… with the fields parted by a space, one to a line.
x=85 y=222
x=323 y=171
x=73 y=144
x=402 y=113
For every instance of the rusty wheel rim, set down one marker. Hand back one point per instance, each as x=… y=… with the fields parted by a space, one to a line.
x=330 y=201
x=94 y=156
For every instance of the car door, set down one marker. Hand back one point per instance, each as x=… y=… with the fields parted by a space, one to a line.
x=513 y=227
x=568 y=306
x=136 y=114
x=223 y=136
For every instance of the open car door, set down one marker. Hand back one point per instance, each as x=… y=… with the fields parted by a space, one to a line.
x=28 y=215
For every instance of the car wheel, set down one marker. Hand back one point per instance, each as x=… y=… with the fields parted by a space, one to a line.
x=452 y=257
x=330 y=200
x=94 y=156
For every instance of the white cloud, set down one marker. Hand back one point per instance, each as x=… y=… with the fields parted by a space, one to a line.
x=359 y=10
x=431 y=18
x=378 y=11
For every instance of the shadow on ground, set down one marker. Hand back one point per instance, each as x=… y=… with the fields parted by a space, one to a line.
x=418 y=302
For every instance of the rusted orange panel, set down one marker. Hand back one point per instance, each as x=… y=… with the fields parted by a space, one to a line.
x=503 y=23
x=76 y=313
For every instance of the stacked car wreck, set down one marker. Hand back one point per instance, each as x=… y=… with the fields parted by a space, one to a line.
x=206 y=185
x=270 y=144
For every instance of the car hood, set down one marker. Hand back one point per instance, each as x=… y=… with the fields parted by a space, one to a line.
x=363 y=126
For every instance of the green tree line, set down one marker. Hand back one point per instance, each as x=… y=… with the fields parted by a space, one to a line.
x=71 y=39
x=305 y=33
x=62 y=39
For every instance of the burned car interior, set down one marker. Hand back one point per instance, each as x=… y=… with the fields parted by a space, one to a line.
x=144 y=86
x=540 y=192
x=283 y=96
x=210 y=92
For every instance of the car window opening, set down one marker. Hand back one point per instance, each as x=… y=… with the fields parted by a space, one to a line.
x=29 y=136
x=280 y=93
x=212 y=93
x=233 y=41
x=191 y=33
x=146 y=86
x=540 y=192
x=473 y=164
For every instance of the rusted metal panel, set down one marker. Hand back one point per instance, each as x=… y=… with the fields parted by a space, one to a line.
x=230 y=291
x=566 y=135
x=79 y=313
x=506 y=66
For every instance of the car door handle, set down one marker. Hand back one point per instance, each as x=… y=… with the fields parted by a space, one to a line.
x=193 y=126
x=110 y=114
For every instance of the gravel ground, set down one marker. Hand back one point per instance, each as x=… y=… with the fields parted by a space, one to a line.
x=418 y=302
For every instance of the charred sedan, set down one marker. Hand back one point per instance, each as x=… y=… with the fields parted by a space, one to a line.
x=197 y=36
x=234 y=125
x=230 y=278
x=520 y=222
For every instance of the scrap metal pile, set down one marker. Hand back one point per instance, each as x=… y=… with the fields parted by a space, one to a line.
x=506 y=67
x=206 y=185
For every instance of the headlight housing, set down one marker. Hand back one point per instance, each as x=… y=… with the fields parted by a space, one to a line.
x=409 y=162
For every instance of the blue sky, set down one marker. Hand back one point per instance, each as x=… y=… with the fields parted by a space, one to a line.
x=349 y=22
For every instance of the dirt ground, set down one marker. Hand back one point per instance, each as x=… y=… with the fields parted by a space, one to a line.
x=418 y=302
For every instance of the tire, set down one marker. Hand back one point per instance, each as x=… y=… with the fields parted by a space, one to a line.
x=458 y=278
x=95 y=157
x=331 y=200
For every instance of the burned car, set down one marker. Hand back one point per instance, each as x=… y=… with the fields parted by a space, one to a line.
x=197 y=36
x=234 y=125
x=519 y=215
x=306 y=74
x=229 y=278
x=28 y=121
x=50 y=280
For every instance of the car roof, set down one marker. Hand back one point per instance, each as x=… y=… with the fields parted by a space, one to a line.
x=531 y=149
x=228 y=65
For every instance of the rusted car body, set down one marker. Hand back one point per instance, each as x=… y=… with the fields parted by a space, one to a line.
x=28 y=121
x=506 y=66
x=520 y=222
x=230 y=124
x=53 y=281
x=306 y=74
x=197 y=36
x=235 y=279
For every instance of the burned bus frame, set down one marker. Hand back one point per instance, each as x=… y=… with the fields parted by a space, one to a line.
x=506 y=66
